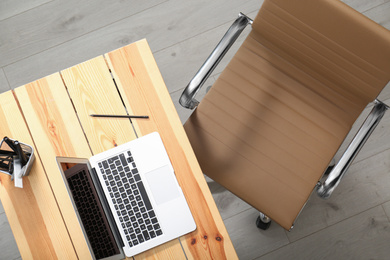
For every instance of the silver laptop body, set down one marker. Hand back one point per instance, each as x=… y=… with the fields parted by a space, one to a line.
x=135 y=187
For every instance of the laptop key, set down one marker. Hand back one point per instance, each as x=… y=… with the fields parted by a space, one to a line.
x=152 y=214
x=144 y=195
x=146 y=235
x=123 y=159
x=140 y=238
x=105 y=164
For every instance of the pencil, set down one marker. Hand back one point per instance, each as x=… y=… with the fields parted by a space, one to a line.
x=119 y=116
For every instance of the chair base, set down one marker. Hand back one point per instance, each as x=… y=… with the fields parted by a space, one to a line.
x=263 y=222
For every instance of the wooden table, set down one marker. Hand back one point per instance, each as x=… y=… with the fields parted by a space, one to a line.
x=52 y=114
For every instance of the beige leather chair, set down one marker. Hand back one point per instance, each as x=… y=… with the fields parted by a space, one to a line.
x=269 y=127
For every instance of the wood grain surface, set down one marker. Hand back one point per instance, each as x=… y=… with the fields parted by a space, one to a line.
x=52 y=122
x=93 y=91
x=56 y=110
x=144 y=92
x=33 y=213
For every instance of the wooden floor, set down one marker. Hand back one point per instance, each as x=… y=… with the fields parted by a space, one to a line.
x=40 y=37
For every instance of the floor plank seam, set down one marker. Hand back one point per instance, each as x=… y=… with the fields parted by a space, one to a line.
x=377 y=6
x=25 y=11
x=81 y=35
x=388 y=216
x=322 y=229
x=225 y=24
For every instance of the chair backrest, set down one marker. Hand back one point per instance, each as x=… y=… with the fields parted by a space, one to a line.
x=331 y=42
x=278 y=113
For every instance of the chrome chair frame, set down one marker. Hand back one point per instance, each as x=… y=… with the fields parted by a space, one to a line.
x=324 y=189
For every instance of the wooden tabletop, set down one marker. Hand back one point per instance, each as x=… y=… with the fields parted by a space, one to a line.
x=52 y=115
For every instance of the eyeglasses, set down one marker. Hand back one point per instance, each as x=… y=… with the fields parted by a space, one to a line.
x=14 y=152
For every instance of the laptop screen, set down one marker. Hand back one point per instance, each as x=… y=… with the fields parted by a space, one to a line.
x=90 y=210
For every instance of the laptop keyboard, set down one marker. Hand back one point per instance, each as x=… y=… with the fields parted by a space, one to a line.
x=131 y=202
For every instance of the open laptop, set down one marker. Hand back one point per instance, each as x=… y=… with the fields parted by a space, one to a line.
x=127 y=198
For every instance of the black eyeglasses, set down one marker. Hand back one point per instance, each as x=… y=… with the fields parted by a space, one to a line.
x=12 y=150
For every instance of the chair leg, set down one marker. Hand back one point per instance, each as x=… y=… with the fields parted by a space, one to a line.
x=263 y=221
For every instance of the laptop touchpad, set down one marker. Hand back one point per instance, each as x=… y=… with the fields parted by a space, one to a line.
x=163 y=184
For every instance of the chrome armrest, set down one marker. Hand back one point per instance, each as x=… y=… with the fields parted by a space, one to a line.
x=187 y=98
x=325 y=189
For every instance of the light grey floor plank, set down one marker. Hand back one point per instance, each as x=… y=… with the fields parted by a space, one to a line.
x=58 y=22
x=386 y=207
x=4 y=86
x=365 y=185
x=364 y=236
x=375 y=143
x=181 y=35
x=8 y=247
x=228 y=204
x=180 y=62
x=363 y=5
x=385 y=94
x=9 y=8
x=1 y=208
x=176 y=22
x=248 y=240
x=184 y=114
x=380 y=14
x=312 y=219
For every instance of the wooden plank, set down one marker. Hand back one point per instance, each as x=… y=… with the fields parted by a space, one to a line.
x=93 y=91
x=251 y=244
x=9 y=249
x=144 y=92
x=363 y=5
x=59 y=21
x=363 y=236
x=177 y=20
x=53 y=124
x=32 y=212
x=380 y=14
x=10 y=8
x=4 y=86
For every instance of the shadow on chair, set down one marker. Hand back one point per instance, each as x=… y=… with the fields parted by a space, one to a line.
x=273 y=121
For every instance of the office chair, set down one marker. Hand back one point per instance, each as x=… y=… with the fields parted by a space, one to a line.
x=271 y=124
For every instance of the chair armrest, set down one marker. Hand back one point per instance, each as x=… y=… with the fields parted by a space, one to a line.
x=325 y=190
x=187 y=98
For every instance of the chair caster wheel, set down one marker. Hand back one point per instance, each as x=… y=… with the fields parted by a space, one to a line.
x=262 y=225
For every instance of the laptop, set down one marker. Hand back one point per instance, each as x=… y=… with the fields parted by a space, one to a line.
x=127 y=198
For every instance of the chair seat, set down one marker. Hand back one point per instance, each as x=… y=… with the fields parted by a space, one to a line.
x=260 y=131
x=276 y=116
